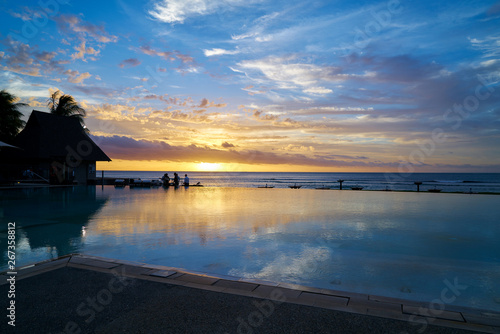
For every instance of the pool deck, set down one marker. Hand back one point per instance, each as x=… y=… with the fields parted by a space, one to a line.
x=88 y=294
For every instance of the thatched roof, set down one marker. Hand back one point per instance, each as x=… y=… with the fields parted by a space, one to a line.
x=48 y=136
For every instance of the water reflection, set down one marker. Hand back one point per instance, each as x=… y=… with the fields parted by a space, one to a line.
x=396 y=244
x=49 y=222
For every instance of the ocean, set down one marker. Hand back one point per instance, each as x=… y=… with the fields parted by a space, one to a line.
x=446 y=182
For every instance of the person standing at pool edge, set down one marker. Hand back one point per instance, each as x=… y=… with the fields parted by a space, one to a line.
x=186 y=180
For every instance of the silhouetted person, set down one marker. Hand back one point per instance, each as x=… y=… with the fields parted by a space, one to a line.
x=166 y=180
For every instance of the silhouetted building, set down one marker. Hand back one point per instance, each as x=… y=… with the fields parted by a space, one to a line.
x=57 y=148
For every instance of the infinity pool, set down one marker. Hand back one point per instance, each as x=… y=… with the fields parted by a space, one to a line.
x=404 y=245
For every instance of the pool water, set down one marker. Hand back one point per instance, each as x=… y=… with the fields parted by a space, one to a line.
x=403 y=245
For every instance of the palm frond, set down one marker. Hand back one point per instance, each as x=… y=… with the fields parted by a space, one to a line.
x=10 y=116
x=65 y=105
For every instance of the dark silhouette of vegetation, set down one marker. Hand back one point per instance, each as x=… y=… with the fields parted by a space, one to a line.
x=65 y=105
x=10 y=117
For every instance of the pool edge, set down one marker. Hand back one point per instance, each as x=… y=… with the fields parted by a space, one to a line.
x=431 y=313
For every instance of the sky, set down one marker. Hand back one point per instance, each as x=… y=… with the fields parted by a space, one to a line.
x=258 y=85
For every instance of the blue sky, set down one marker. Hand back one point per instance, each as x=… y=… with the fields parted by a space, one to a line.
x=268 y=85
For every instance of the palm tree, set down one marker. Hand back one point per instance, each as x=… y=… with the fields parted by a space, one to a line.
x=10 y=116
x=65 y=105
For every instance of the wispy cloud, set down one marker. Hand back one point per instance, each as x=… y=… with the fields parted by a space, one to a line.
x=318 y=90
x=220 y=52
x=489 y=45
x=73 y=23
x=177 y=11
x=188 y=64
x=290 y=73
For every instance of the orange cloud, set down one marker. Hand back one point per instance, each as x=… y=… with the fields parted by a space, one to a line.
x=77 y=77
x=83 y=50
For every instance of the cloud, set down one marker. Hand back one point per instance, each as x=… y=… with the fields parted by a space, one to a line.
x=249 y=89
x=260 y=115
x=403 y=68
x=184 y=58
x=299 y=148
x=131 y=62
x=188 y=65
x=219 y=52
x=318 y=90
x=83 y=50
x=176 y=11
x=227 y=145
x=167 y=55
x=332 y=110
x=96 y=90
x=28 y=14
x=73 y=23
x=126 y=148
x=257 y=30
x=489 y=45
x=45 y=56
x=117 y=112
x=205 y=103
x=24 y=59
x=187 y=117
x=288 y=73
x=170 y=100
x=76 y=77
x=243 y=36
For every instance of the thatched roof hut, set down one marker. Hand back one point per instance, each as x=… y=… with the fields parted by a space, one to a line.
x=57 y=148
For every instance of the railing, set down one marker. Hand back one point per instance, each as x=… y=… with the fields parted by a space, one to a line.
x=31 y=179
x=41 y=177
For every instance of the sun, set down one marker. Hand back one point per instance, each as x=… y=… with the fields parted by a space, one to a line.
x=208 y=167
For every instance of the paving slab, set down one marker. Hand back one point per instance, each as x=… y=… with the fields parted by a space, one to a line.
x=236 y=285
x=321 y=300
x=367 y=304
x=485 y=320
x=433 y=313
x=276 y=292
x=93 y=262
x=133 y=271
x=163 y=273
x=203 y=280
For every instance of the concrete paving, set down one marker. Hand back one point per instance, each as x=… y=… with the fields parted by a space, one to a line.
x=85 y=294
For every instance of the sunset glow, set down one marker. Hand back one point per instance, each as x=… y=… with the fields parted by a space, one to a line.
x=268 y=86
x=208 y=167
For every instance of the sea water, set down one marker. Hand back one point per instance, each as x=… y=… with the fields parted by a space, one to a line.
x=446 y=182
x=404 y=245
